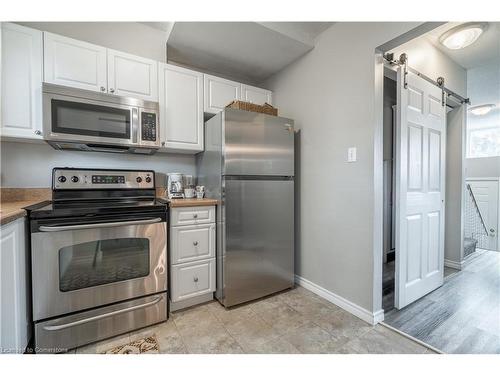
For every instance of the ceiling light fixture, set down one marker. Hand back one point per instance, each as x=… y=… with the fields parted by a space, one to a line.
x=480 y=110
x=463 y=35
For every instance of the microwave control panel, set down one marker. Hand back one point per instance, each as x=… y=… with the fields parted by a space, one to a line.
x=148 y=126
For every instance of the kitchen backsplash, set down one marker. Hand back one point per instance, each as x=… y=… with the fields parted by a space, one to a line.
x=30 y=165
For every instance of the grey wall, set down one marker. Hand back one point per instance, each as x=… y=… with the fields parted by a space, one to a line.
x=483 y=87
x=330 y=92
x=30 y=165
x=455 y=176
x=132 y=37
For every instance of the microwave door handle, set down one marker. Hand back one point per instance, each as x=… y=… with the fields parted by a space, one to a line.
x=135 y=125
x=108 y=149
x=61 y=228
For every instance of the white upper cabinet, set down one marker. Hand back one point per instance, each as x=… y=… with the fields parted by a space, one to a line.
x=181 y=109
x=21 y=82
x=256 y=95
x=130 y=75
x=219 y=92
x=71 y=62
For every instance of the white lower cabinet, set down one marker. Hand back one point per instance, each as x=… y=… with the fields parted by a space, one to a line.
x=193 y=279
x=192 y=215
x=14 y=316
x=193 y=242
x=192 y=256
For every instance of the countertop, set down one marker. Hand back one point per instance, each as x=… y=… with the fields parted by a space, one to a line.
x=13 y=200
x=10 y=211
x=188 y=202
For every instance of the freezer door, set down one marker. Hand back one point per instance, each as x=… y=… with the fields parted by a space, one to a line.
x=257 y=144
x=258 y=251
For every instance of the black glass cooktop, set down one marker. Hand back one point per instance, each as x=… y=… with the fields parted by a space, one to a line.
x=50 y=209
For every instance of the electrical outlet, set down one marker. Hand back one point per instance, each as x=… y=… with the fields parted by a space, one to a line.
x=351 y=154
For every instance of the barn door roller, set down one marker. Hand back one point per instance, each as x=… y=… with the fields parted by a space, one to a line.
x=439 y=82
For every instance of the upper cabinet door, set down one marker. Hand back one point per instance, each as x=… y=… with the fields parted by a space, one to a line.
x=130 y=75
x=71 y=62
x=219 y=92
x=181 y=109
x=256 y=95
x=21 y=82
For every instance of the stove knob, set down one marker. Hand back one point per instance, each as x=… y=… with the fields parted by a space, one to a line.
x=148 y=179
x=74 y=179
x=139 y=179
x=61 y=179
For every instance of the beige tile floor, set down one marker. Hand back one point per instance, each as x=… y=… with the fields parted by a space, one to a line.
x=296 y=321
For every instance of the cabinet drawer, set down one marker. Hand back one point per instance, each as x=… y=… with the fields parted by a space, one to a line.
x=192 y=215
x=192 y=279
x=192 y=242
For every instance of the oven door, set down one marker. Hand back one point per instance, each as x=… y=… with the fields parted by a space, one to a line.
x=78 y=265
x=83 y=120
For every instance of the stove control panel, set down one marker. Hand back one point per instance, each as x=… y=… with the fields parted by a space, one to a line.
x=71 y=179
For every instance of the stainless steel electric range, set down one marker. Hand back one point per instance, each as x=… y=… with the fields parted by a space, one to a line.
x=99 y=257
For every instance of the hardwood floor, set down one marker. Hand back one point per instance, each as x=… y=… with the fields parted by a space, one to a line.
x=463 y=316
x=388 y=283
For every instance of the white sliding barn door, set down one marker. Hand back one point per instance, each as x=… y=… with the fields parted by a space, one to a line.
x=420 y=180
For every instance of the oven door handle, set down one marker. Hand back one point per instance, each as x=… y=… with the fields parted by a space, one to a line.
x=103 y=316
x=59 y=228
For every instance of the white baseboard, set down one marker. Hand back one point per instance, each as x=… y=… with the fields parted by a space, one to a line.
x=360 y=312
x=453 y=264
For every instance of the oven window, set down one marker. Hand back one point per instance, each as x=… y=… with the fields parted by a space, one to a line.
x=90 y=119
x=102 y=262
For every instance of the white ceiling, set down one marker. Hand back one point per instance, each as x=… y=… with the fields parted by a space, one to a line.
x=246 y=51
x=482 y=61
x=305 y=32
x=486 y=50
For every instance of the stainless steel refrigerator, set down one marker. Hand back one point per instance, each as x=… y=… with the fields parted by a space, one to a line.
x=248 y=164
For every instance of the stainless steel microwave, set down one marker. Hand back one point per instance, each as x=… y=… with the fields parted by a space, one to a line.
x=76 y=119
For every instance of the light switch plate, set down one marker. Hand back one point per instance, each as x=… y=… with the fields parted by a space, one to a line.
x=351 y=154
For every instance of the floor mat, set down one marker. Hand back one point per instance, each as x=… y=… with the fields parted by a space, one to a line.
x=148 y=345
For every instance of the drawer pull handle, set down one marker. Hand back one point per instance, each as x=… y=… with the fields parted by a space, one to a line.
x=195 y=243
x=195 y=279
x=195 y=215
x=102 y=316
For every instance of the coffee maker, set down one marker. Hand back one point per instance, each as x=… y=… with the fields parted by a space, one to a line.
x=175 y=186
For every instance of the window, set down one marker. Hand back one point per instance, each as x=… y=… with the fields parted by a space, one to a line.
x=484 y=142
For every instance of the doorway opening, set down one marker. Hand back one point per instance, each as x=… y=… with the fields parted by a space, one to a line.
x=449 y=302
